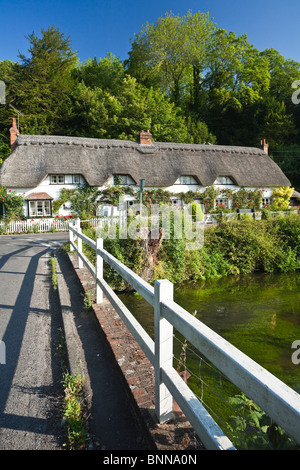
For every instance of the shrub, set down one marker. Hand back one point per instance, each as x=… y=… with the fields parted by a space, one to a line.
x=236 y=247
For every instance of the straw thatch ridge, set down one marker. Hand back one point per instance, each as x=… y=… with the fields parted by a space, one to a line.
x=160 y=163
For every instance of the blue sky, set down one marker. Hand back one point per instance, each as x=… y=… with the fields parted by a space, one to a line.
x=101 y=26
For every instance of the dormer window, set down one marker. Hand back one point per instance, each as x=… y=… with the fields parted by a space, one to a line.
x=186 y=179
x=75 y=179
x=224 y=180
x=57 y=179
x=123 y=180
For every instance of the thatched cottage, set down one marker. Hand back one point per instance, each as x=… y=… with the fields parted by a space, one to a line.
x=39 y=166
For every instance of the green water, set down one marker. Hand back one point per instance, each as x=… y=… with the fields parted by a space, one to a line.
x=258 y=313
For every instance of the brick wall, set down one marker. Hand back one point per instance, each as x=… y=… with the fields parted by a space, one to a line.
x=138 y=373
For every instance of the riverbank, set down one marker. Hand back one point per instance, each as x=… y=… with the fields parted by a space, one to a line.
x=231 y=248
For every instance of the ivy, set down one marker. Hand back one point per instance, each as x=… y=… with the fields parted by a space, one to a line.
x=156 y=196
x=246 y=199
x=66 y=195
x=112 y=194
x=208 y=198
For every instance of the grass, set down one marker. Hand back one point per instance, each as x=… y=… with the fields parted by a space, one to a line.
x=74 y=412
x=54 y=273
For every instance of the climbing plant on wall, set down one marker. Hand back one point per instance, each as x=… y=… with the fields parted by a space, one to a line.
x=246 y=199
x=11 y=205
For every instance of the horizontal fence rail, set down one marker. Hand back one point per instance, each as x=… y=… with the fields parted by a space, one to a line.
x=274 y=397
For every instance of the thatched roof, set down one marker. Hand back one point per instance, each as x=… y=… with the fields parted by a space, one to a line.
x=296 y=195
x=34 y=157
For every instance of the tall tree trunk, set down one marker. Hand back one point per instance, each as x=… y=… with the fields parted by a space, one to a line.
x=196 y=88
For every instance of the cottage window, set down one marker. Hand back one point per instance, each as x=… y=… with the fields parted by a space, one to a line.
x=76 y=179
x=266 y=201
x=176 y=202
x=123 y=180
x=39 y=208
x=222 y=202
x=186 y=179
x=57 y=179
x=224 y=180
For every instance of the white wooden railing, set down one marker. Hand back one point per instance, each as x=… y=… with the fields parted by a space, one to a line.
x=274 y=397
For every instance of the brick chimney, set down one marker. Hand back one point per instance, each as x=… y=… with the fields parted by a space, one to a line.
x=145 y=138
x=264 y=146
x=13 y=134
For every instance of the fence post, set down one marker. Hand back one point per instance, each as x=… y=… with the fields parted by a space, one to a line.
x=71 y=237
x=79 y=248
x=99 y=270
x=163 y=340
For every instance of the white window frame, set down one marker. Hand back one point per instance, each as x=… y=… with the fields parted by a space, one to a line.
x=39 y=208
x=186 y=179
x=225 y=180
x=266 y=201
x=126 y=180
x=57 y=179
x=74 y=178
x=222 y=200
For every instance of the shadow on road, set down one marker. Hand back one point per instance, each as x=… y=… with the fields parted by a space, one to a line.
x=114 y=423
x=22 y=413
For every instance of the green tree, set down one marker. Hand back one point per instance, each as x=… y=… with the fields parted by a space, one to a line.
x=236 y=79
x=165 y=53
x=8 y=73
x=45 y=83
x=106 y=74
x=122 y=115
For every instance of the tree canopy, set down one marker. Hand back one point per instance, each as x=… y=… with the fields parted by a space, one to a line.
x=185 y=79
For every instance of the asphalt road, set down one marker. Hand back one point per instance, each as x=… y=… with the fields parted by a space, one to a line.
x=29 y=331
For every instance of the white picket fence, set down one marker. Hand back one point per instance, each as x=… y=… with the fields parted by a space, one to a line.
x=55 y=224
x=34 y=225
x=278 y=400
x=214 y=219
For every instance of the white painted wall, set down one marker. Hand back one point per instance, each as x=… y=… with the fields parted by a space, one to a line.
x=54 y=191
x=46 y=187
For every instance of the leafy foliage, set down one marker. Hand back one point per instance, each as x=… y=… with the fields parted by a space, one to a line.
x=11 y=205
x=83 y=200
x=186 y=79
x=281 y=198
x=254 y=429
